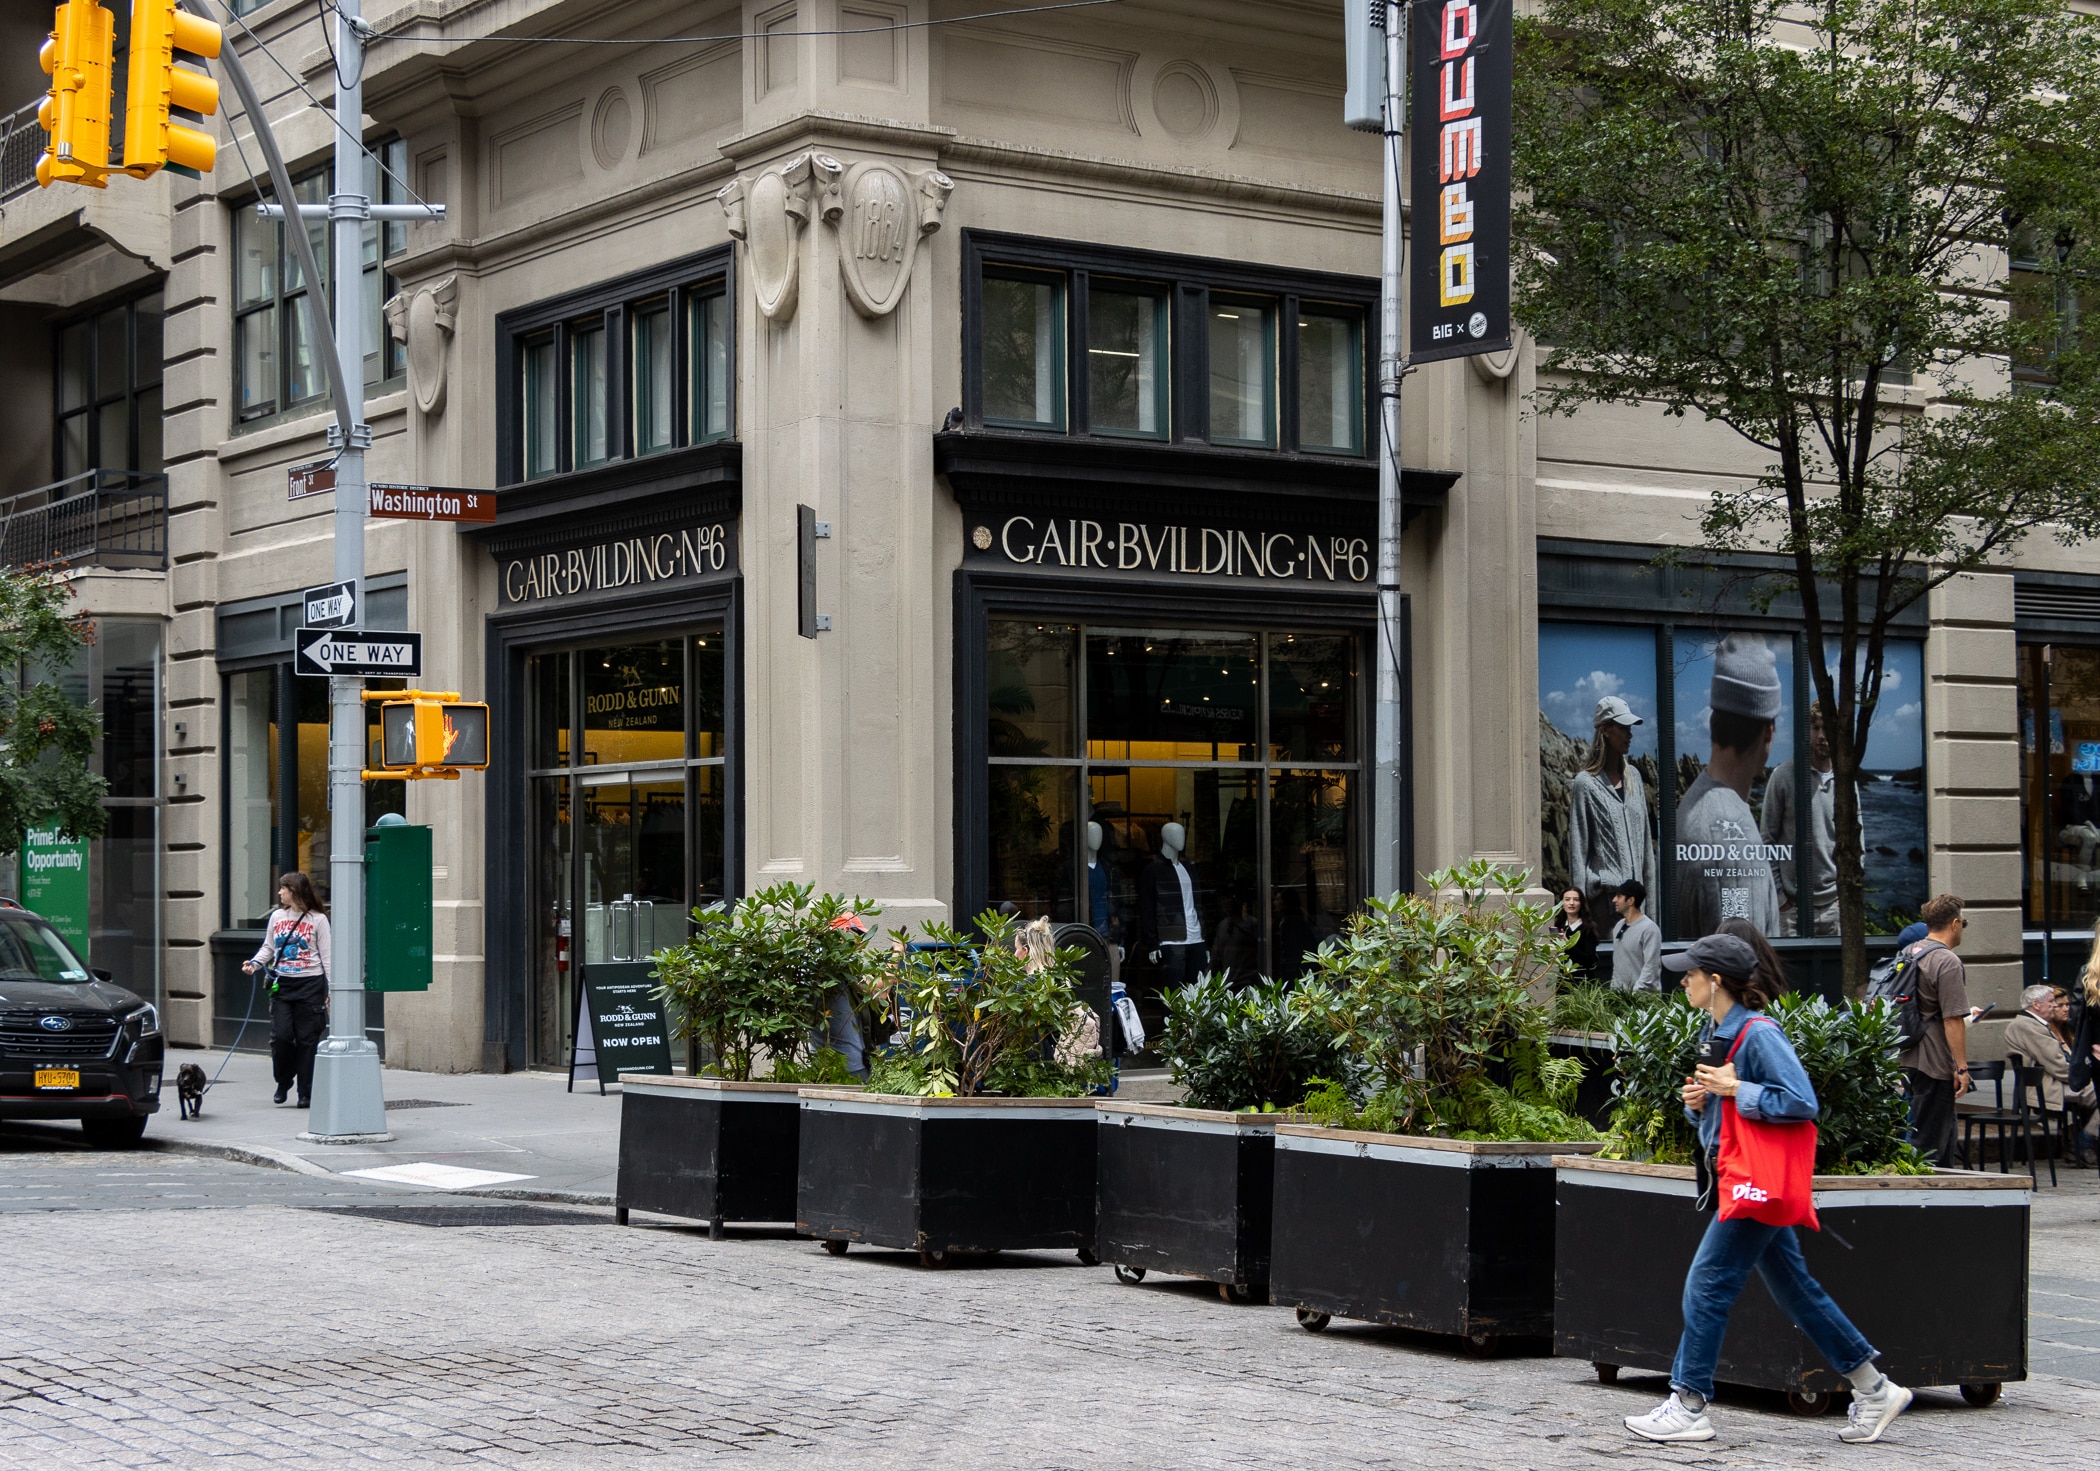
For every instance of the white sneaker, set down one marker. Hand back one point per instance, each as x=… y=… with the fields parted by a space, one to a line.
x=1670 y=1420
x=1870 y=1414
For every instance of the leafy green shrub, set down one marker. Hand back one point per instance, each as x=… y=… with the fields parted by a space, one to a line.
x=824 y=1068
x=1425 y=995
x=1592 y=1007
x=1243 y=1049
x=755 y=978
x=977 y=1020
x=1849 y=1054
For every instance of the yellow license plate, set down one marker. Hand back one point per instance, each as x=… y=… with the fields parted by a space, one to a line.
x=58 y=1077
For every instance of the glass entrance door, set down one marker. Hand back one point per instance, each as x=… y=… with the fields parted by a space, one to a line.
x=627 y=810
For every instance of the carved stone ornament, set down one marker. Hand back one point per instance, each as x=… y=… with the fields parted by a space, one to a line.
x=881 y=211
x=768 y=214
x=423 y=320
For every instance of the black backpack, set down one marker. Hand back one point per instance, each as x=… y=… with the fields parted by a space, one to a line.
x=1895 y=981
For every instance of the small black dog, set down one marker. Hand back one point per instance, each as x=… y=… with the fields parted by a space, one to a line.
x=189 y=1090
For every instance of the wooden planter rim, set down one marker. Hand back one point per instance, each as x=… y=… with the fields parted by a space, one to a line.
x=1938 y=1180
x=1424 y=1141
x=1210 y=1120
x=658 y=1083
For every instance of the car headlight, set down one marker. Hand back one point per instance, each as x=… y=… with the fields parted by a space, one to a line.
x=146 y=1021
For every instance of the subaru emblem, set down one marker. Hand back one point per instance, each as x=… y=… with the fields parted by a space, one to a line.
x=55 y=1023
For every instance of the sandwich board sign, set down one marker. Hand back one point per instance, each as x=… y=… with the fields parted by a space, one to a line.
x=620 y=1025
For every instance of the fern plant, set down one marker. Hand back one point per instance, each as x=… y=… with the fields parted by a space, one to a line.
x=1427 y=996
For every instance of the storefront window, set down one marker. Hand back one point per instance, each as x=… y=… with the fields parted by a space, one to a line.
x=1126 y=380
x=2060 y=785
x=251 y=796
x=1024 y=352
x=1226 y=757
x=1331 y=381
x=1242 y=372
x=628 y=806
x=1745 y=838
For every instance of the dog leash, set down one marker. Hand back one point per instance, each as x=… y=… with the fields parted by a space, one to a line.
x=254 y=980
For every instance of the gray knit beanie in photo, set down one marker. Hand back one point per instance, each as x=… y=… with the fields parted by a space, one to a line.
x=1746 y=678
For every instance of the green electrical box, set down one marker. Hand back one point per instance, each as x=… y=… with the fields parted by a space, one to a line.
x=397 y=907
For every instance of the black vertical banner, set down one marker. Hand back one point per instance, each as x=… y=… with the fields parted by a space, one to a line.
x=1460 y=134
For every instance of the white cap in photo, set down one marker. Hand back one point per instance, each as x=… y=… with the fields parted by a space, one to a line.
x=1615 y=711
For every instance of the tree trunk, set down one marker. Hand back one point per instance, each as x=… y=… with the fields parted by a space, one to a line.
x=1851 y=868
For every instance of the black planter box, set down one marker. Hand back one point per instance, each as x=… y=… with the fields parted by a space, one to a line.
x=1187 y=1191
x=1593 y=1096
x=942 y=1175
x=1618 y=1305
x=1439 y=1235
x=707 y=1149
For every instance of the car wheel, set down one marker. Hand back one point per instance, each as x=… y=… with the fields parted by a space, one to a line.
x=114 y=1133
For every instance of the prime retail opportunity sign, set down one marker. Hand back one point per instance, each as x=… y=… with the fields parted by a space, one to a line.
x=55 y=883
x=1459 y=283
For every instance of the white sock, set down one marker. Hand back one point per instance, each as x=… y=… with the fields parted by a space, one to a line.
x=1867 y=1379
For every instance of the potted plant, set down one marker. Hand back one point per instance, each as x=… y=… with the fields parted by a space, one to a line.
x=753 y=987
x=1583 y=1017
x=975 y=1133
x=1187 y=1189
x=1877 y=1201
x=1417 y=1187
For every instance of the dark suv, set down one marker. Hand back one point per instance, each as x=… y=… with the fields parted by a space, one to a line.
x=73 y=1045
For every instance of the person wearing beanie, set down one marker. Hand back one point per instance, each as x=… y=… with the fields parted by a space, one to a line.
x=1723 y=871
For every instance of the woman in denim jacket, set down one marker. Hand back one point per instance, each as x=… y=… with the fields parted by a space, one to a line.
x=1721 y=977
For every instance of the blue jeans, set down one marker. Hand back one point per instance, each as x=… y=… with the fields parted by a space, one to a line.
x=1726 y=1256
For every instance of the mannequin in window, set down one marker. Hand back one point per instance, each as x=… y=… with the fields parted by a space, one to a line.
x=1100 y=910
x=1172 y=932
x=2078 y=809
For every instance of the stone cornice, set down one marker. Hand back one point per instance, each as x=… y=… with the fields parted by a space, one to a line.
x=828 y=127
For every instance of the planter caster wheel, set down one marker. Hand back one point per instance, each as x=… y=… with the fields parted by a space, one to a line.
x=1132 y=1275
x=1808 y=1406
x=1087 y=1257
x=835 y=1247
x=1236 y=1292
x=930 y=1257
x=1313 y=1322
x=714 y=1231
x=620 y=1215
x=1606 y=1373
x=1982 y=1396
x=1482 y=1345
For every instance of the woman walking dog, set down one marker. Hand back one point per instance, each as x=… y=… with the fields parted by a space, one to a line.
x=1749 y=1080
x=294 y=959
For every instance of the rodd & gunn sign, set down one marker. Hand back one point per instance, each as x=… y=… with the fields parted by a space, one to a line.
x=1196 y=551
x=651 y=558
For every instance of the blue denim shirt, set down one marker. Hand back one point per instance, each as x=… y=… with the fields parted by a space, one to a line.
x=1771 y=1084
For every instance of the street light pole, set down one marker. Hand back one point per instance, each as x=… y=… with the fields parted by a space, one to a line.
x=1389 y=822
x=348 y=1100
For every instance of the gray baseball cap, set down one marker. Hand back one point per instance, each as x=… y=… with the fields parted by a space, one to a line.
x=1746 y=678
x=1614 y=710
x=1724 y=955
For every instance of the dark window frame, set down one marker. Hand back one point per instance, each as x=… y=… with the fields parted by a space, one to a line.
x=1187 y=282
x=684 y=282
x=136 y=384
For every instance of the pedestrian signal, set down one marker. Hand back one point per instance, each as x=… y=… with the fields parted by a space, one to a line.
x=159 y=86
x=75 y=113
x=433 y=734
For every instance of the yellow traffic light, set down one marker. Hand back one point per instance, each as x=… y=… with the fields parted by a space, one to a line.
x=160 y=34
x=433 y=734
x=76 y=110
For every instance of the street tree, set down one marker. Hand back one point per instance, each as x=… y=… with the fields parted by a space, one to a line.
x=47 y=736
x=1858 y=233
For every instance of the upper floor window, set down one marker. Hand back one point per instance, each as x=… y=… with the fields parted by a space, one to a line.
x=276 y=364
x=108 y=390
x=1168 y=349
x=631 y=369
x=2054 y=309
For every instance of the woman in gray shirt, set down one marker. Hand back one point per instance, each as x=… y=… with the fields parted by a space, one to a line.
x=1609 y=840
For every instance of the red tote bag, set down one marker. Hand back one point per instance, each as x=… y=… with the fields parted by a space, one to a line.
x=1766 y=1172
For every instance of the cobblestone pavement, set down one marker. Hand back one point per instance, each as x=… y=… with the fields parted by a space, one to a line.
x=479 y=1331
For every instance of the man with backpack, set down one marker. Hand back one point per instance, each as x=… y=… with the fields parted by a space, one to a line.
x=1936 y=1059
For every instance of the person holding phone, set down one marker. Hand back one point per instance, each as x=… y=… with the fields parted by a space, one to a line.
x=1765 y=1081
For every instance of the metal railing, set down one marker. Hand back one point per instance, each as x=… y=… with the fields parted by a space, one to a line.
x=22 y=142
x=103 y=518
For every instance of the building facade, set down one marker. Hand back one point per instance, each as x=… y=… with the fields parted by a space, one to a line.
x=933 y=457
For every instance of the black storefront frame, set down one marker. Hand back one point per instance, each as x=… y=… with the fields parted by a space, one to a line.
x=512 y=639
x=982 y=595
x=2050 y=611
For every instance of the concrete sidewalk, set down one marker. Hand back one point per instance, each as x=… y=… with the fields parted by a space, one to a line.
x=559 y=1145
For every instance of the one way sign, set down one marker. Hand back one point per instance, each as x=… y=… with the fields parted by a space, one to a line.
x=326 y=651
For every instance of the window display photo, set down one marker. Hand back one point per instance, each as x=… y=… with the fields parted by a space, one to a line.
x=1734 y=708
x=1598 y=746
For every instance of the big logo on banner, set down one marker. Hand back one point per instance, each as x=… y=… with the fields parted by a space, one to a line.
x=1461 y=140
